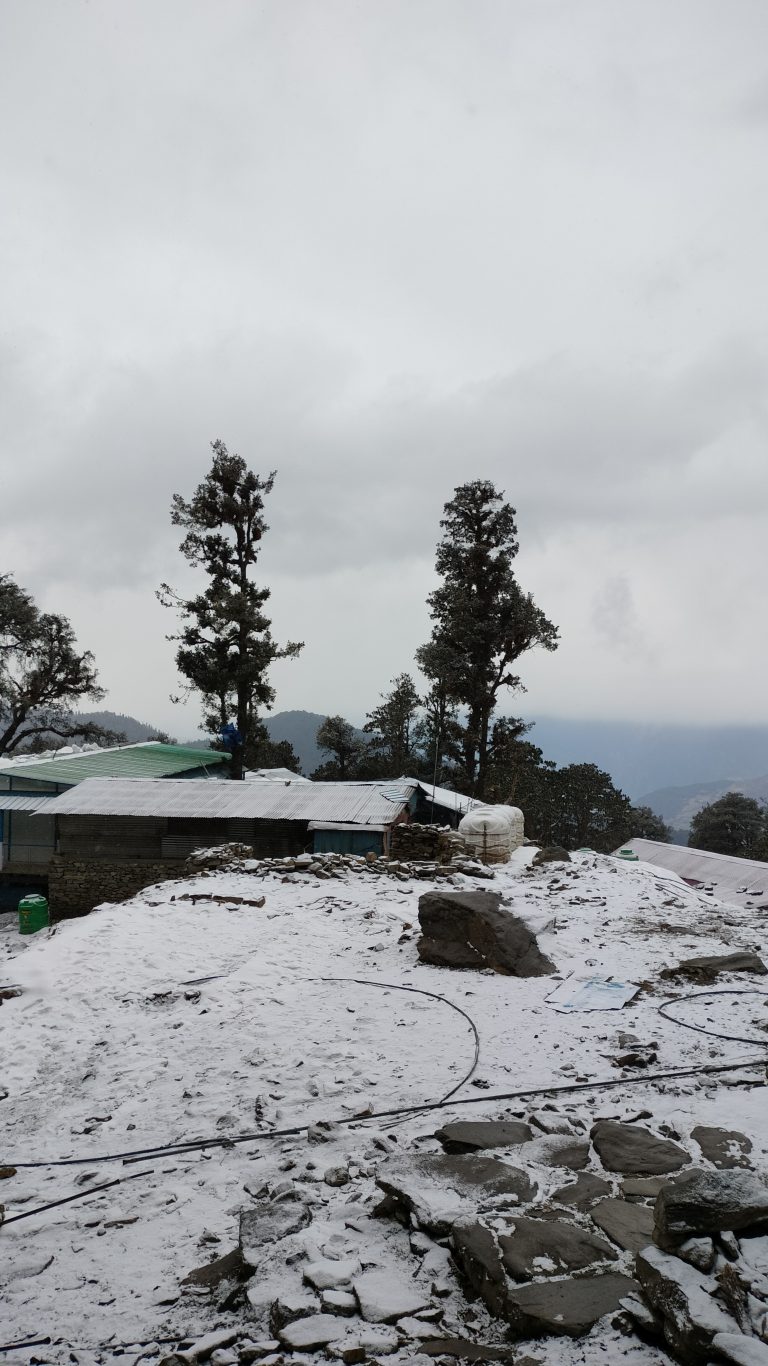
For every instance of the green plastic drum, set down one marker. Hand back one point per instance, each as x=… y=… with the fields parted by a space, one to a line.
x=33 y=914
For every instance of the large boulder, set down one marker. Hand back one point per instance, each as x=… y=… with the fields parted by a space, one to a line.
x=709 y=968
x=473 y=930
x=551 y=853
x=704 y=1202
x=566 y=1308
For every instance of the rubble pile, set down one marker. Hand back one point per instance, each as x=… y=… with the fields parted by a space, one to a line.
x=547 y=1224
x=298 y=867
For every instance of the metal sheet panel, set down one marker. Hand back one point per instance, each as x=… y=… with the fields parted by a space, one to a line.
x=21 y=801
x=740 y=877
x=360 y=803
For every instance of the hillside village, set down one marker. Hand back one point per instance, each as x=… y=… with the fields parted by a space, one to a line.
x=384 y=421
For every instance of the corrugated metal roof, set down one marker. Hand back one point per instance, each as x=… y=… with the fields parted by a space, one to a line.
x=450 y=801
x=149 y=760
x=22 y=801
x=729 y=876
x=273 y=775
x=360 y=803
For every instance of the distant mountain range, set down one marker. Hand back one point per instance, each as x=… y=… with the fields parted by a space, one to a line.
x=671 y=768
x=678 y=805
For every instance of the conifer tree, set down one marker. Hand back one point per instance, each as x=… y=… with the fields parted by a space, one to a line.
x=225 y=646
x=483 y=621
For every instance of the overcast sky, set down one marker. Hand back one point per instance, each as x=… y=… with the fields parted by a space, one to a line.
x=387 y=246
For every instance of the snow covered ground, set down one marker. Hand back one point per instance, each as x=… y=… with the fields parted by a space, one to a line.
x=109 y=1049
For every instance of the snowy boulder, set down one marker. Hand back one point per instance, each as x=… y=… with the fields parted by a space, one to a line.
x=704 y=1202
x=552 y=853
x=682 y=1297
x=385 y=1297
x=473 y=930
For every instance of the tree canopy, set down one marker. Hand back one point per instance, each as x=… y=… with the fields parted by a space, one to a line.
x=43 y=675
x=225 y=646
x=340 y=741
x=734 y=824
x=483 y=622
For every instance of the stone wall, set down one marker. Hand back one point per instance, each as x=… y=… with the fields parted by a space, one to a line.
x=425 y=843
x=75 y=886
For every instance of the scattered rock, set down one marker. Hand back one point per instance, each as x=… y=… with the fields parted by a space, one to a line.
x=268 y=1224
x=231 y=1267
x=682 y=1297
x=338 y=1302
x=325 y=1274
x=384 y=1297
x=724 y=1148
x=336 y=1176
x=568 y=1307
x=306 y=1335
x=416 y=1328
x=552 y=853
x=698 y=1252
x=708 y=968
x=550 y=1122
x=469 y=1136
x=473 y=930
x=438 y=1190
x=631 y=1226
x=6 y=1172
x=740 y=1350
x=634 y=1150
x=290 y=1306
x=582 y=1193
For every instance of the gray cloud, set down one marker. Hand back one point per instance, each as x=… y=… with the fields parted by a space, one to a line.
x=385 y=249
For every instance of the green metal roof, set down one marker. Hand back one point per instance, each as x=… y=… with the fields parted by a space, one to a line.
x=151 y=760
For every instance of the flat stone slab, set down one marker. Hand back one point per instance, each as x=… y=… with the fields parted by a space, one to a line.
x=469 y=1351
x=550 y=1247
x=469 y=1136
x=305 y=1335
x=635 y=1151
x=439 y=1189
x=565 y=1308
x=702 y=1202
x=582 y=1193
x=385 y=1297
x=642 y=1187
x=630 y=1226
x=267 y=1224
x=724 y=1148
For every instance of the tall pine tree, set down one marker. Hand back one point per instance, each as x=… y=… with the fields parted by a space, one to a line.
x=225 y=643
x=483 y=621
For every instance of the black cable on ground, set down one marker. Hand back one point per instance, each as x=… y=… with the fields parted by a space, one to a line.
x=665 y=1006
x=419 y=991
x=81 y=1195
x=487 y=1098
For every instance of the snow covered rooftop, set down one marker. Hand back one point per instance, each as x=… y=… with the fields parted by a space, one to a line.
x=729 y=875
x=450 y=801
x=360 y=803
x=148 y=759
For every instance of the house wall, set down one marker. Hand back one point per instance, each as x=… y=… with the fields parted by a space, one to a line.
x=76 y=885
x=110 y=858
